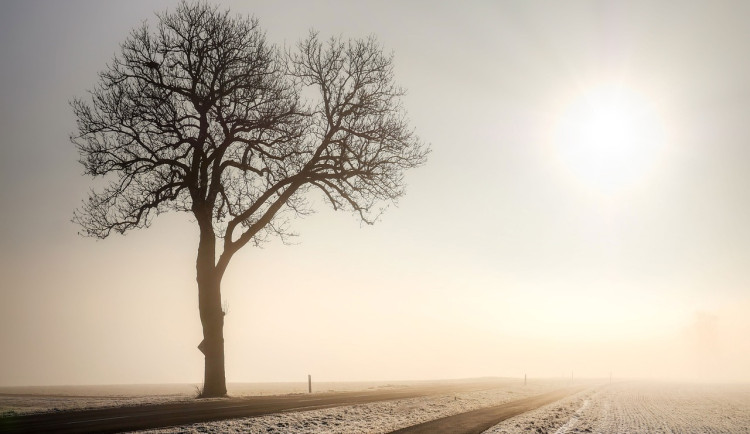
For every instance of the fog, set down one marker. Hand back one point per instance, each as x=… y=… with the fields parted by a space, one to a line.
x=506 y=256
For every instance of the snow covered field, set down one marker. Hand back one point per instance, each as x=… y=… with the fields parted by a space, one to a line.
x=376 y=417
x=628 y=407
x=640 y=407
x=40 y=399
x=633 y=407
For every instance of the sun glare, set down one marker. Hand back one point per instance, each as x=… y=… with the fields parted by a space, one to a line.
x=609 y=137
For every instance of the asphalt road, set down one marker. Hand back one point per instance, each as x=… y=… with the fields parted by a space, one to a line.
x=118 y=419
x=477 y=421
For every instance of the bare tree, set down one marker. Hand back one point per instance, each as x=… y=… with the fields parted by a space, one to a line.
x=202 y=115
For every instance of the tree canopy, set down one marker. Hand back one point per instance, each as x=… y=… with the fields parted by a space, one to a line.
x=204 y=115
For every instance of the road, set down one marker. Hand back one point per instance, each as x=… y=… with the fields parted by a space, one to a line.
x=477 y=421
x=118 y=419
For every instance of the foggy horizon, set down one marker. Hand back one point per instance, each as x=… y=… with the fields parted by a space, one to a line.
x=518 y=249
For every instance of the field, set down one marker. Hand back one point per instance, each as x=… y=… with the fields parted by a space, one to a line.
x=42 y=399
x=625 y=407
x=639 y=407
x=629 y=407
x=377 y=417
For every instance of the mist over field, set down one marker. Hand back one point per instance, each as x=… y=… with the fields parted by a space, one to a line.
x=522 y=247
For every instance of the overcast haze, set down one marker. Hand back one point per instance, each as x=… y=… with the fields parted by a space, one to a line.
x=506 y=256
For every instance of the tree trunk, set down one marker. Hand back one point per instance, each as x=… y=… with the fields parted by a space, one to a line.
x=212 y=316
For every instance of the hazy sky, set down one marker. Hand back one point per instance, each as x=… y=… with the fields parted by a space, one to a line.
x=513 y=251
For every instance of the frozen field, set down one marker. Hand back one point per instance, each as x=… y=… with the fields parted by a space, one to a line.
x=641 y=408
x=635 y=407
x=376 y=417
x=44 y=399
x=39 y=399
x=25 y=400
x=628 y=407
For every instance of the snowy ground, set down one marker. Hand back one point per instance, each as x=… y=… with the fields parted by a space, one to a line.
x=628 y=407
x=640 y=408
x=376 y=417
x=44 y=399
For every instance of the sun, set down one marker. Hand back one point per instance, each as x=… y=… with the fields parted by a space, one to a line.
x=609 y=137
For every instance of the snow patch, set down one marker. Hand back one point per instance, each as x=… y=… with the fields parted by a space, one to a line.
x=574 y=419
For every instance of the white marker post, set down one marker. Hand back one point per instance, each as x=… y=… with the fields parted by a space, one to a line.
x=309 y=383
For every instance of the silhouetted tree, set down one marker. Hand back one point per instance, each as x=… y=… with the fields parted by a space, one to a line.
x=202 y=115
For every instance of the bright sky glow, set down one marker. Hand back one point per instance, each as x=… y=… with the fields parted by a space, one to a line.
x=609 y=136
